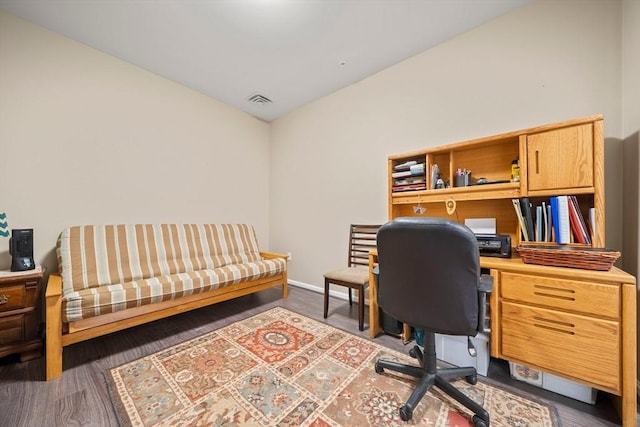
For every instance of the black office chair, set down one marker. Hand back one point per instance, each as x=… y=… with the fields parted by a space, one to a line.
x=429 y=278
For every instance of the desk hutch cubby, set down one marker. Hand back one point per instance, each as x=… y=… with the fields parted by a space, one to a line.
x=576 y=323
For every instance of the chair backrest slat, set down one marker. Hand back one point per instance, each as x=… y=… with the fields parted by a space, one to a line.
x=362 y=238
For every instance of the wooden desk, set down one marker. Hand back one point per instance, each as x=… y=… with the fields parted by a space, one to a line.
x=578 y=324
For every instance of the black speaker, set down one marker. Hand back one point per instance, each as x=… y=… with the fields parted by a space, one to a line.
x=21 y=249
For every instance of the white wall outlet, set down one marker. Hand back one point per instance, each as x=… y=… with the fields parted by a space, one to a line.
x=289 y=258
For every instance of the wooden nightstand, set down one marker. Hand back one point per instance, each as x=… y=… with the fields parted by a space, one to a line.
x=19 y=316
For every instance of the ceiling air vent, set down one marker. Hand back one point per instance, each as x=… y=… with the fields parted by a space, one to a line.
x=257 y=98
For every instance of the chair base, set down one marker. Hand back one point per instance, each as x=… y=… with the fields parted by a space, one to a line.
x=429 y=376
x=359 y=288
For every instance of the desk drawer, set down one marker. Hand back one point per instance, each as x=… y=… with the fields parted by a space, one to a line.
x=11 y=297
x=11 y=329
x=582 y=297
x=563 y=343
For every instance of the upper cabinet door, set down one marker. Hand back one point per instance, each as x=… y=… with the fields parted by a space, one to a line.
x=560 y=158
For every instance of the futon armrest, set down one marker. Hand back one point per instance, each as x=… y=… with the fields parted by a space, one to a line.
x=54 y=286
x=268 y=255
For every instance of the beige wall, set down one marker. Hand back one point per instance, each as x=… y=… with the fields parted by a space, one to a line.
x=545 y=62
x=86 y=138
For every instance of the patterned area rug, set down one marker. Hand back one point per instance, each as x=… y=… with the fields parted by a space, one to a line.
x=282 y=369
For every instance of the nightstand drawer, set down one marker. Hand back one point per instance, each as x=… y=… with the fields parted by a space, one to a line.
x=582 y=297
x=20 y=314
x=11 y=297
x=11 y=329
x=563 y=343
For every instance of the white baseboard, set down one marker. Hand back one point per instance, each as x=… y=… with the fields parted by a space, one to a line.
x=307 y=286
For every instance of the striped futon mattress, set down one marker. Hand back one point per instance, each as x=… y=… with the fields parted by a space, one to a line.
x=109 y=268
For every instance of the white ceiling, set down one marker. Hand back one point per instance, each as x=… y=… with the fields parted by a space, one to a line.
x=290 y=51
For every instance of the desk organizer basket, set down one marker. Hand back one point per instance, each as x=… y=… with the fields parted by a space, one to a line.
x=584 y=257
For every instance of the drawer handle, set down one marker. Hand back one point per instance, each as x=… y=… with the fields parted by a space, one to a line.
x=540 y=291
x=551 y=288
x=4 y=299
x=542 y=294
x=555 y=325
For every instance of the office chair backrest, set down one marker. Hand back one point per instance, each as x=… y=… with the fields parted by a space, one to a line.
x=429 y=273
x=362 y=238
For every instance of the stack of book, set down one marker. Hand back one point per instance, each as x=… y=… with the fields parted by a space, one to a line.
x=560 y=220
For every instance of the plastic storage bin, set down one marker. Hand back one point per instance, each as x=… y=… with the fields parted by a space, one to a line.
x=553 y=383
x=453 y=349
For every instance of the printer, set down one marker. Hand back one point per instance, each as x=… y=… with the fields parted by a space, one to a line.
x=496 y=245
x=489 y=242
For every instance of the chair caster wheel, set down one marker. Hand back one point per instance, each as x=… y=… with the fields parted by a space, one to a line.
x=479 y=422
x=413 y=353
x=406 y=413
x=379 y=369
x=472 y=379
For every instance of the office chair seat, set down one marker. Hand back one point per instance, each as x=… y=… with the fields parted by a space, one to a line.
x=429 y=278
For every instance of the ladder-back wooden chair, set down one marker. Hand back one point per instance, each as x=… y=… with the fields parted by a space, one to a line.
x=362 y=238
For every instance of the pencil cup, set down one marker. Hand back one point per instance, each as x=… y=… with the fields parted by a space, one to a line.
x=463 y=180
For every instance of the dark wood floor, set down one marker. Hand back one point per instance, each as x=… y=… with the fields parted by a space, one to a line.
x=80 y=397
